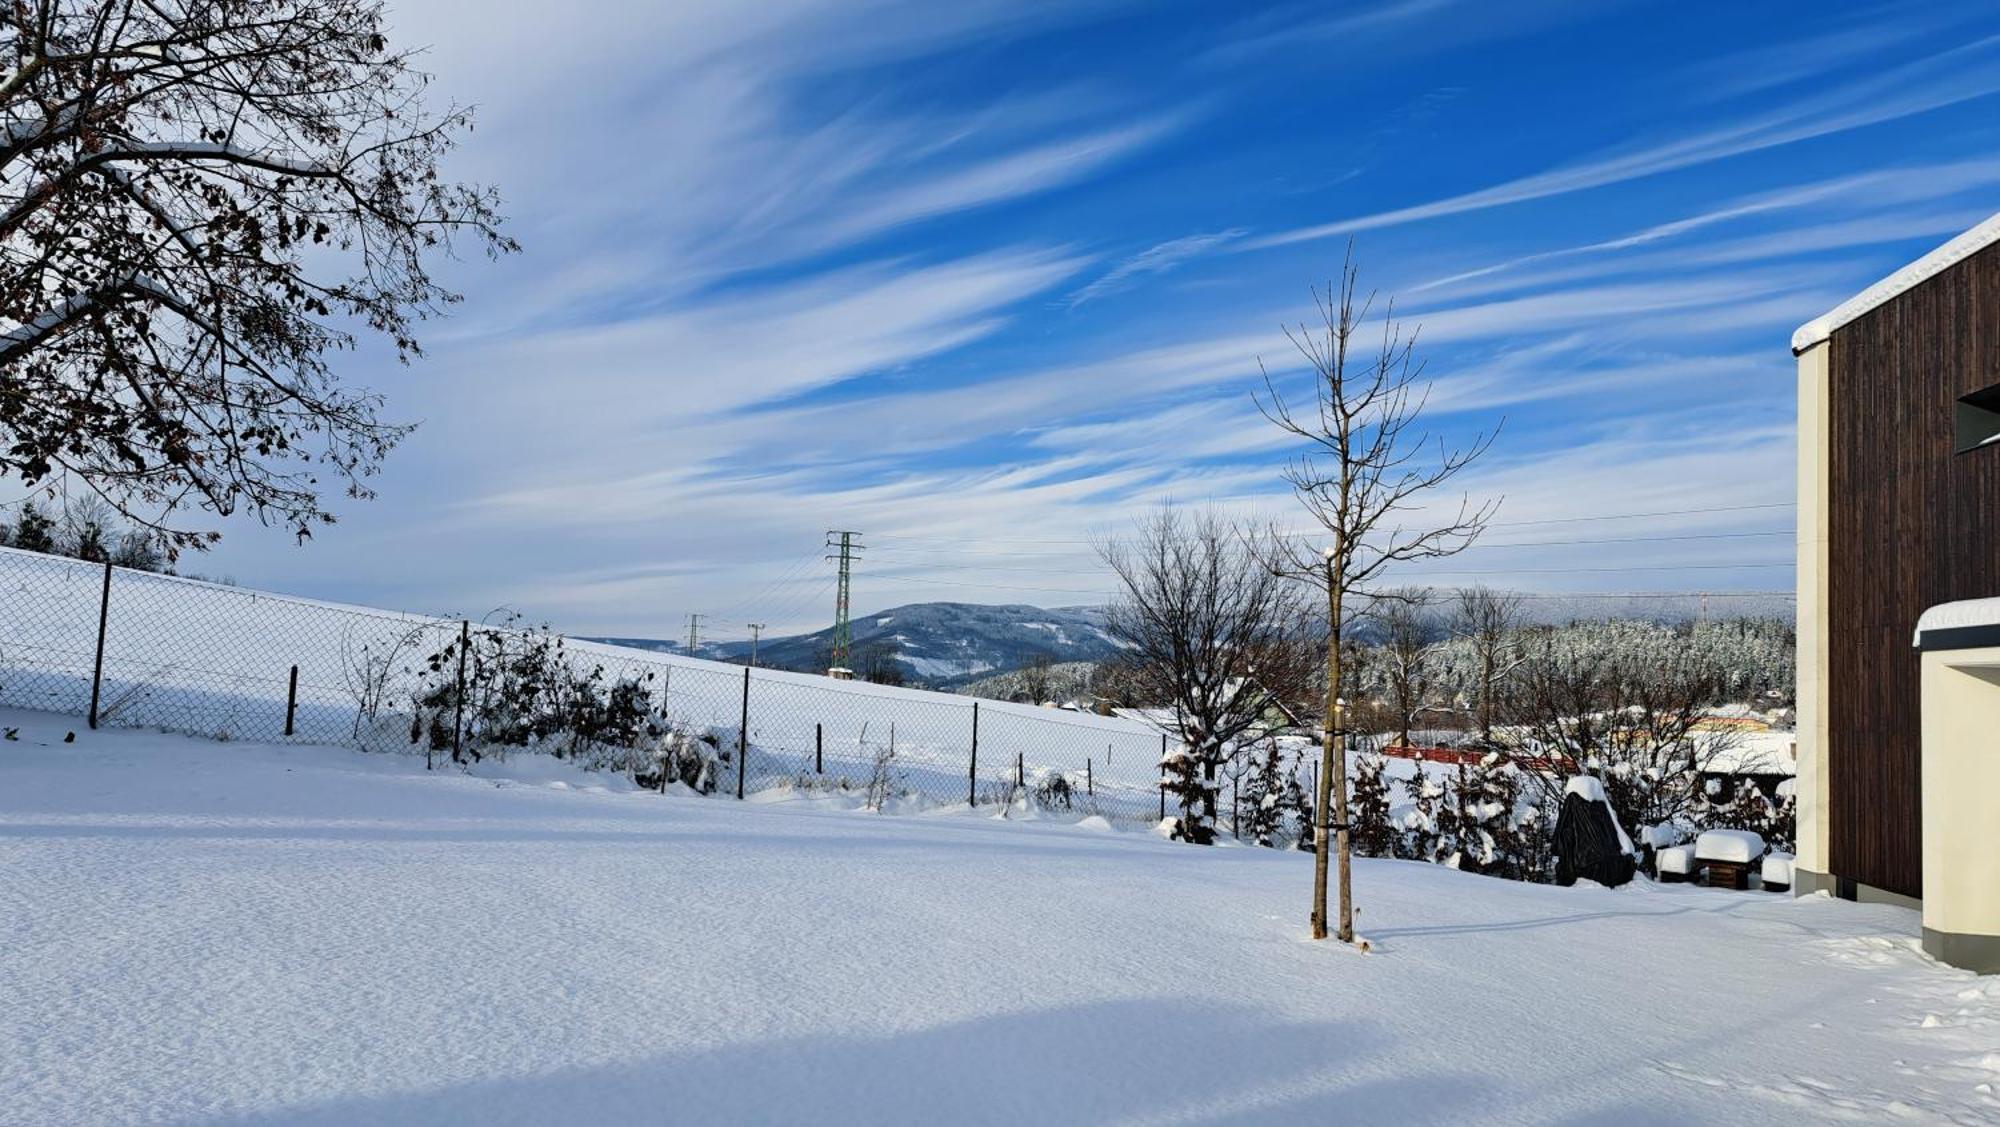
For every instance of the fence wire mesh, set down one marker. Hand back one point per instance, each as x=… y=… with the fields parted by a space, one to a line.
x=139 y=649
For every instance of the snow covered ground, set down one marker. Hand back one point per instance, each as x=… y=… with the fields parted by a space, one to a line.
x=202 y=931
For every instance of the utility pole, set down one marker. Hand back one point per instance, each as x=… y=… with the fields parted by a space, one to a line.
x=846 y=547
x=694 y=632
x=756 y=628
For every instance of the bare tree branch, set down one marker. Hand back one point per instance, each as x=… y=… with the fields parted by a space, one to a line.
x=199 y=201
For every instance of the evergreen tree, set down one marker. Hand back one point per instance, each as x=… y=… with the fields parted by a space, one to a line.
x=1373 y=834
x=1451 y=822
x=1490 y=834
x=1263 y=796
x=1298 y=804
x=34 y=531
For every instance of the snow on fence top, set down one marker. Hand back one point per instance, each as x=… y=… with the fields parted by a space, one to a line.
x=235 y=663
x=1902 y=281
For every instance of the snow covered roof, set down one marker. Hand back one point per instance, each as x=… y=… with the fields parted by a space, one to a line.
x=1980 y=617
x=1908 y=278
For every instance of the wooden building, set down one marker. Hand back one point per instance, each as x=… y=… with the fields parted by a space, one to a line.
x=1899 y=518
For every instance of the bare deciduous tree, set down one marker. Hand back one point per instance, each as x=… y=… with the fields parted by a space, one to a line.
x=1409 y=633
x=1210 y=632
x=1036 y=679
x=199 y=201
x=1485 y=619
x=1366 y=467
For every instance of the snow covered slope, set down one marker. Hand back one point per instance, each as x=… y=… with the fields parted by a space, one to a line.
x=193 y=931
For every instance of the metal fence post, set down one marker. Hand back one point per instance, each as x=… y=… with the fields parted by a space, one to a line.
x=819 y=749
x=458 y=720
x=972 y=772
x=743 y=734
x=1020 y=770
x=1089 y=780
x=103 y=620
x=292 y=701
x=1163 y=776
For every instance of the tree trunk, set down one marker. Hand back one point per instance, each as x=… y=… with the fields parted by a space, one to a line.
x=1486 y=696
x=1332 y=782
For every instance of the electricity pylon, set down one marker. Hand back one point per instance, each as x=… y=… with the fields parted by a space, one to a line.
x=847 y=546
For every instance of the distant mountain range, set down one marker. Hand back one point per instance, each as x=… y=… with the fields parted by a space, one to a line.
x=949 y=644
x=934 y=643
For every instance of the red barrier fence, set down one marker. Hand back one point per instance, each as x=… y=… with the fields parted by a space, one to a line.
x=1471 y=757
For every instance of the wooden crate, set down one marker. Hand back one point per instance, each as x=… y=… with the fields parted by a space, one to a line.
x=1731 y=874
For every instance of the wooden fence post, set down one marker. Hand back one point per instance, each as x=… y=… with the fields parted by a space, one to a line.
x=103 y=620
x=743 y=735
x=972 y=772
x=292 y=701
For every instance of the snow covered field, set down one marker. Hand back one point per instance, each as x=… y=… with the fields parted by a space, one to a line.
x=201 y=931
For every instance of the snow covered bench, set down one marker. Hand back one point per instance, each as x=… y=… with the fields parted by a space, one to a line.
x=1728 y=855
x=1674 y=863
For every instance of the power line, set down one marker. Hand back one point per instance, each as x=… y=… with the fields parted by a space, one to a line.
x=753 y=604
x=893 y=539
x=1637 y=516
x=1476 y=546
x=1649 y=567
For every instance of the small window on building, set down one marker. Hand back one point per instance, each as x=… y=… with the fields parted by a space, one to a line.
x=1979 y=419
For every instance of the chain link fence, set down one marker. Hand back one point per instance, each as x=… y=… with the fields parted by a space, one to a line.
x=138 y=649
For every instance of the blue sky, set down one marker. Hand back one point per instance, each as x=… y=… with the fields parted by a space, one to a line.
x=988 y=280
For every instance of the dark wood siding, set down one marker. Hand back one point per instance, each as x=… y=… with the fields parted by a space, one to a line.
x=1911 y=525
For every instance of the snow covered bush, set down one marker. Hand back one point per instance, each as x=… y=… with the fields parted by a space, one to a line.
x=1053 y=790
x=1745 y=806
x=1422 y=838
x=492 y=690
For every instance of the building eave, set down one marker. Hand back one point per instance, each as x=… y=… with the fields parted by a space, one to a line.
x=1819 y=329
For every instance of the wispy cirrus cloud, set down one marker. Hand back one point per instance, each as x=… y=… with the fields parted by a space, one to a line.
x=1960 y=74
x=1880 y=189
x=1156 y=259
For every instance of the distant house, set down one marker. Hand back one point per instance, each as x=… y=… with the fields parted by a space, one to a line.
x=1899 y=566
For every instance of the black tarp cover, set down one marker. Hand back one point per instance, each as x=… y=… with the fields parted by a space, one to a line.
x=1587 y=844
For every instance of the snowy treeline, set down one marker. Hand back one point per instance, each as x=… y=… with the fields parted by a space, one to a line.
x=1442 y=671
x=85 y=530
x=1061 y=682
